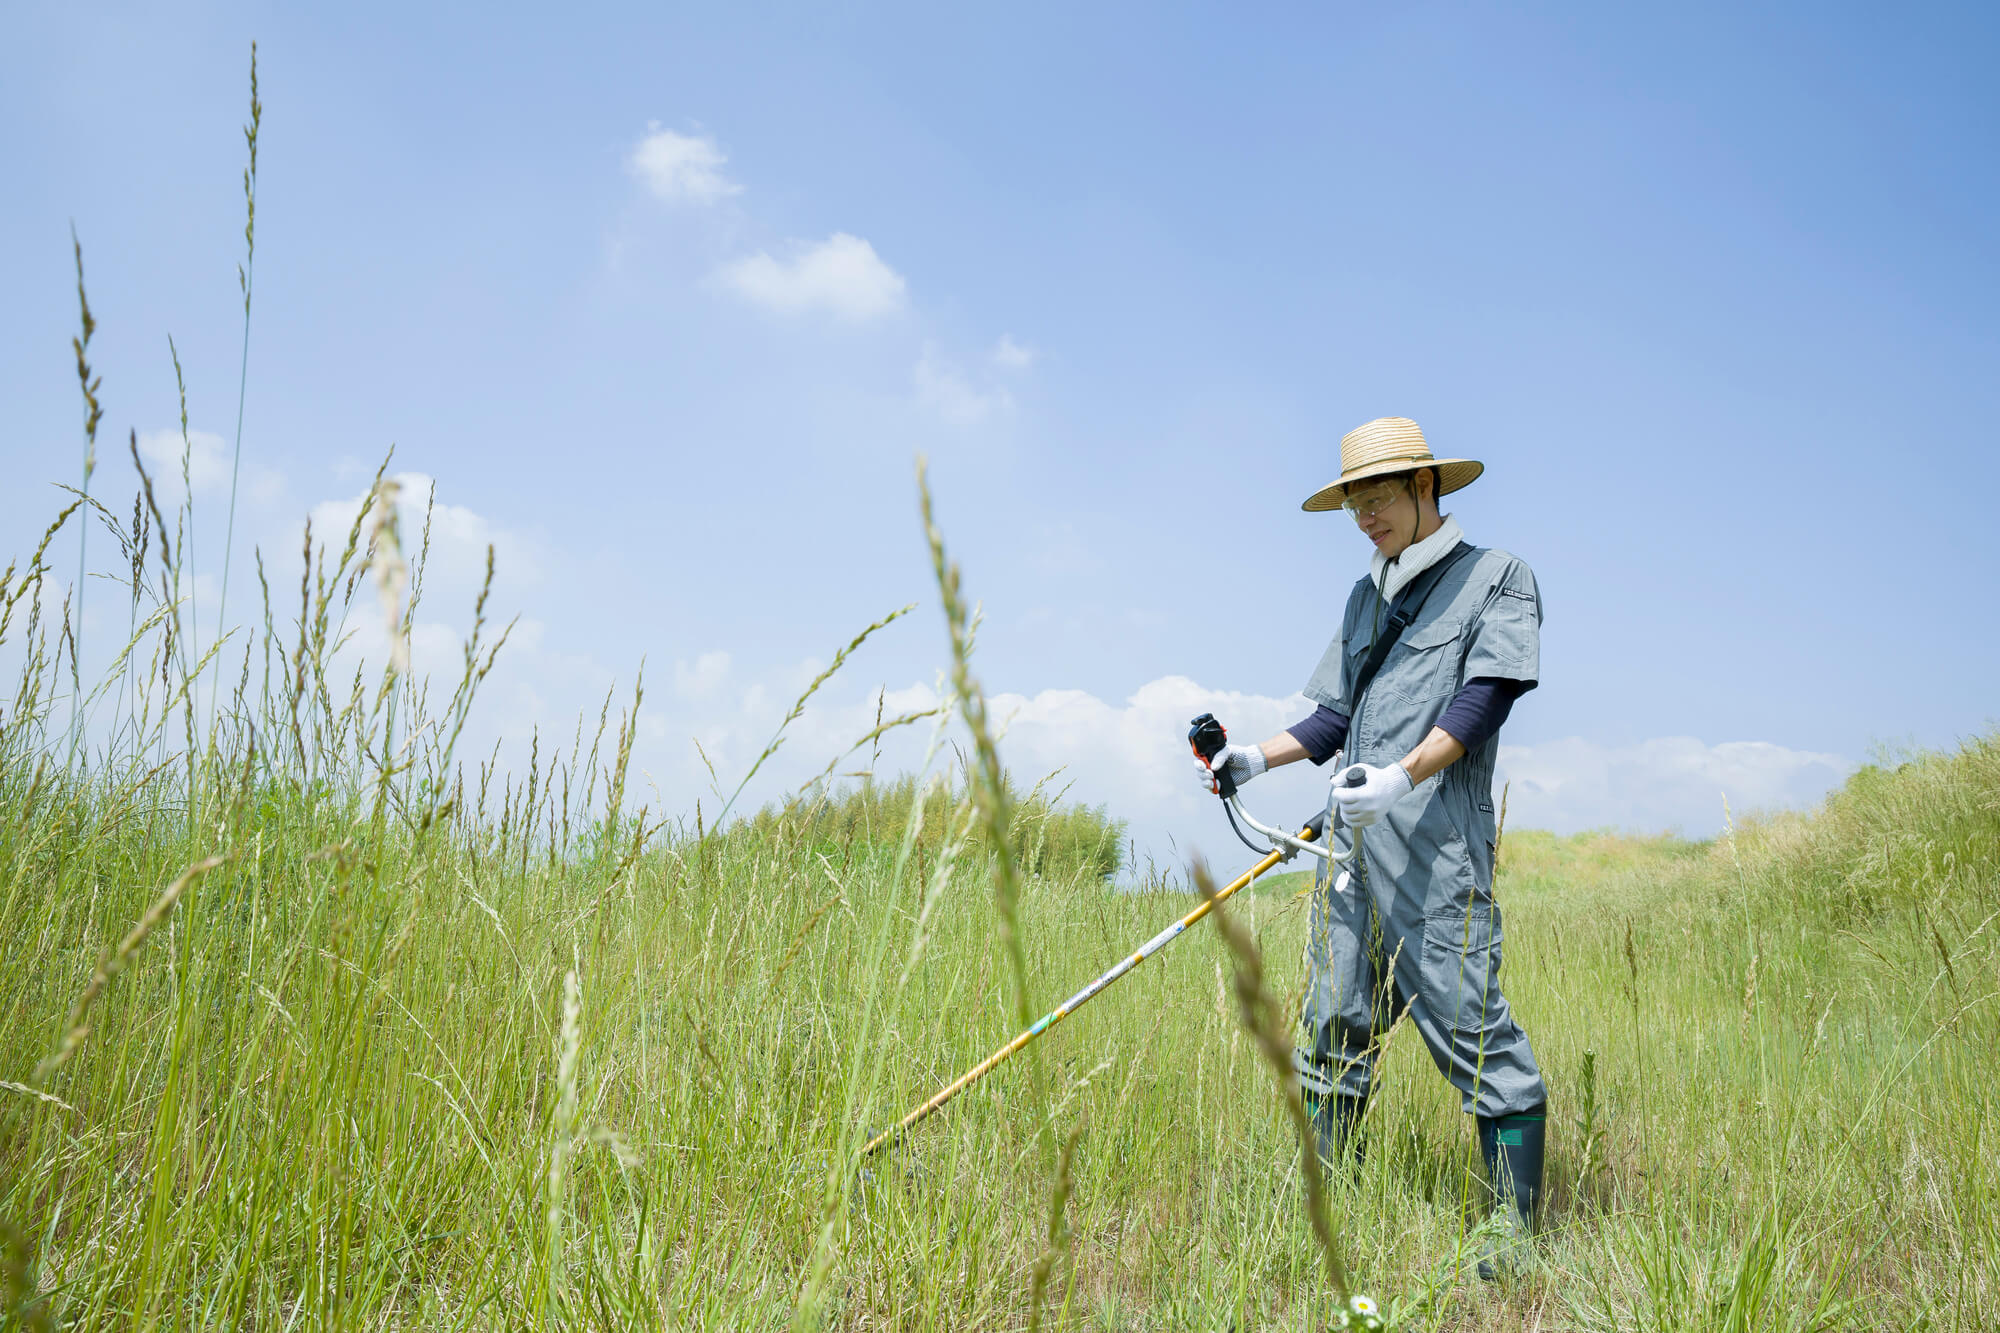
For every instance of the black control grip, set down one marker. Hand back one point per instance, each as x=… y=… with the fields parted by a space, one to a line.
x=1207 y=737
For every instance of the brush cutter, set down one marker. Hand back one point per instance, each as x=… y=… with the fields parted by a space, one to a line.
x=1205 y=731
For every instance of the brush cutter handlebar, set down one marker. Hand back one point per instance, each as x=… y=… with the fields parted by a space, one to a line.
x=1320 y=846
x=1207 y=737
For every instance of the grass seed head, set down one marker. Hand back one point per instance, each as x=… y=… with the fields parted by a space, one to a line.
x=391 y=572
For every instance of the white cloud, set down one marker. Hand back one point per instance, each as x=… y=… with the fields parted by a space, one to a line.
x=456 y=563
x=1130 y=756
x=1133 y=758
x=203 y=453
x=1674 y=782
x=1010 y=355
x=841 y=275
x=681 y=166
x=453 y=567
x=545 y=682
x=944 y=388
x=704 y=679
x=208 y=461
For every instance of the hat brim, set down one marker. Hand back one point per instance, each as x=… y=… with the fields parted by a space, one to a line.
x=1453 y=474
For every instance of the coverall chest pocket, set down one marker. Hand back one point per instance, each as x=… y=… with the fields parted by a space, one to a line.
x=1425 y=663
x=1460 y=976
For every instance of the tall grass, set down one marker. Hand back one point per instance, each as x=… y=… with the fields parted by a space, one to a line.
x=300 y=1034
x=313 y=1022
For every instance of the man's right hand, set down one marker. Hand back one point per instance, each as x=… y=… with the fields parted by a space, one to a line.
x=1244 y=762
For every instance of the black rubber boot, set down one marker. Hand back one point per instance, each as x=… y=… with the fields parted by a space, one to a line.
x=1512 y=1146
x=1337 y=1123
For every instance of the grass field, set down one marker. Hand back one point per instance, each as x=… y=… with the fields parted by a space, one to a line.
x=293 y=1039
x=310 y=1021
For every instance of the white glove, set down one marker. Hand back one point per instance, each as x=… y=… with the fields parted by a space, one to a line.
x=1244 y=762
x=1382 y=787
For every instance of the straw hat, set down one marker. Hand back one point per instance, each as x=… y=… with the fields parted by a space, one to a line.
x=1385 y=447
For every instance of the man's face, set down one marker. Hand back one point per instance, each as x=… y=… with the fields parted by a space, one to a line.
x=1387 y=513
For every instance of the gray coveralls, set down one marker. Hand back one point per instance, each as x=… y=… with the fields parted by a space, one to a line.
x=1420 y=895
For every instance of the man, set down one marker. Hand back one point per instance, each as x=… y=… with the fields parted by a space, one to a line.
x=1411 y=927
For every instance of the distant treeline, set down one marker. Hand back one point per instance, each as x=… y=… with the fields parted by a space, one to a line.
x=1056 y=839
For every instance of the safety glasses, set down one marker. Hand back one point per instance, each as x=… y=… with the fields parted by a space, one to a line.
x=1372 y=500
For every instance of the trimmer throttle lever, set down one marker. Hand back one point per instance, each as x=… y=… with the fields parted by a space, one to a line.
x=1207 y=737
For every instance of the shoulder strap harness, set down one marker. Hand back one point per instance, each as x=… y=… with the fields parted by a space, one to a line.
x=1402 y=614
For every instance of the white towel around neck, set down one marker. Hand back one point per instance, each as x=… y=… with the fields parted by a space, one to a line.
x=1392 y=576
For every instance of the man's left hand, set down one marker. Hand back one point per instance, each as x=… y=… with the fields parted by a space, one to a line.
x=1379 y=789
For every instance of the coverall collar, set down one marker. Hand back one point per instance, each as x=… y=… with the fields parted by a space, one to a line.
x=1392 y=576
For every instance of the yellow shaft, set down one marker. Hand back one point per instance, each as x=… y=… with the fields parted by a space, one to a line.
x=1078 y=1000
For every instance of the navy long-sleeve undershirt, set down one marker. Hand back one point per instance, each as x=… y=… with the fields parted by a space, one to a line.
x=1472 y=717
x=1322 y=734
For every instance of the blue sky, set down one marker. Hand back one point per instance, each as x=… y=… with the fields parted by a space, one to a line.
x=667 y=301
